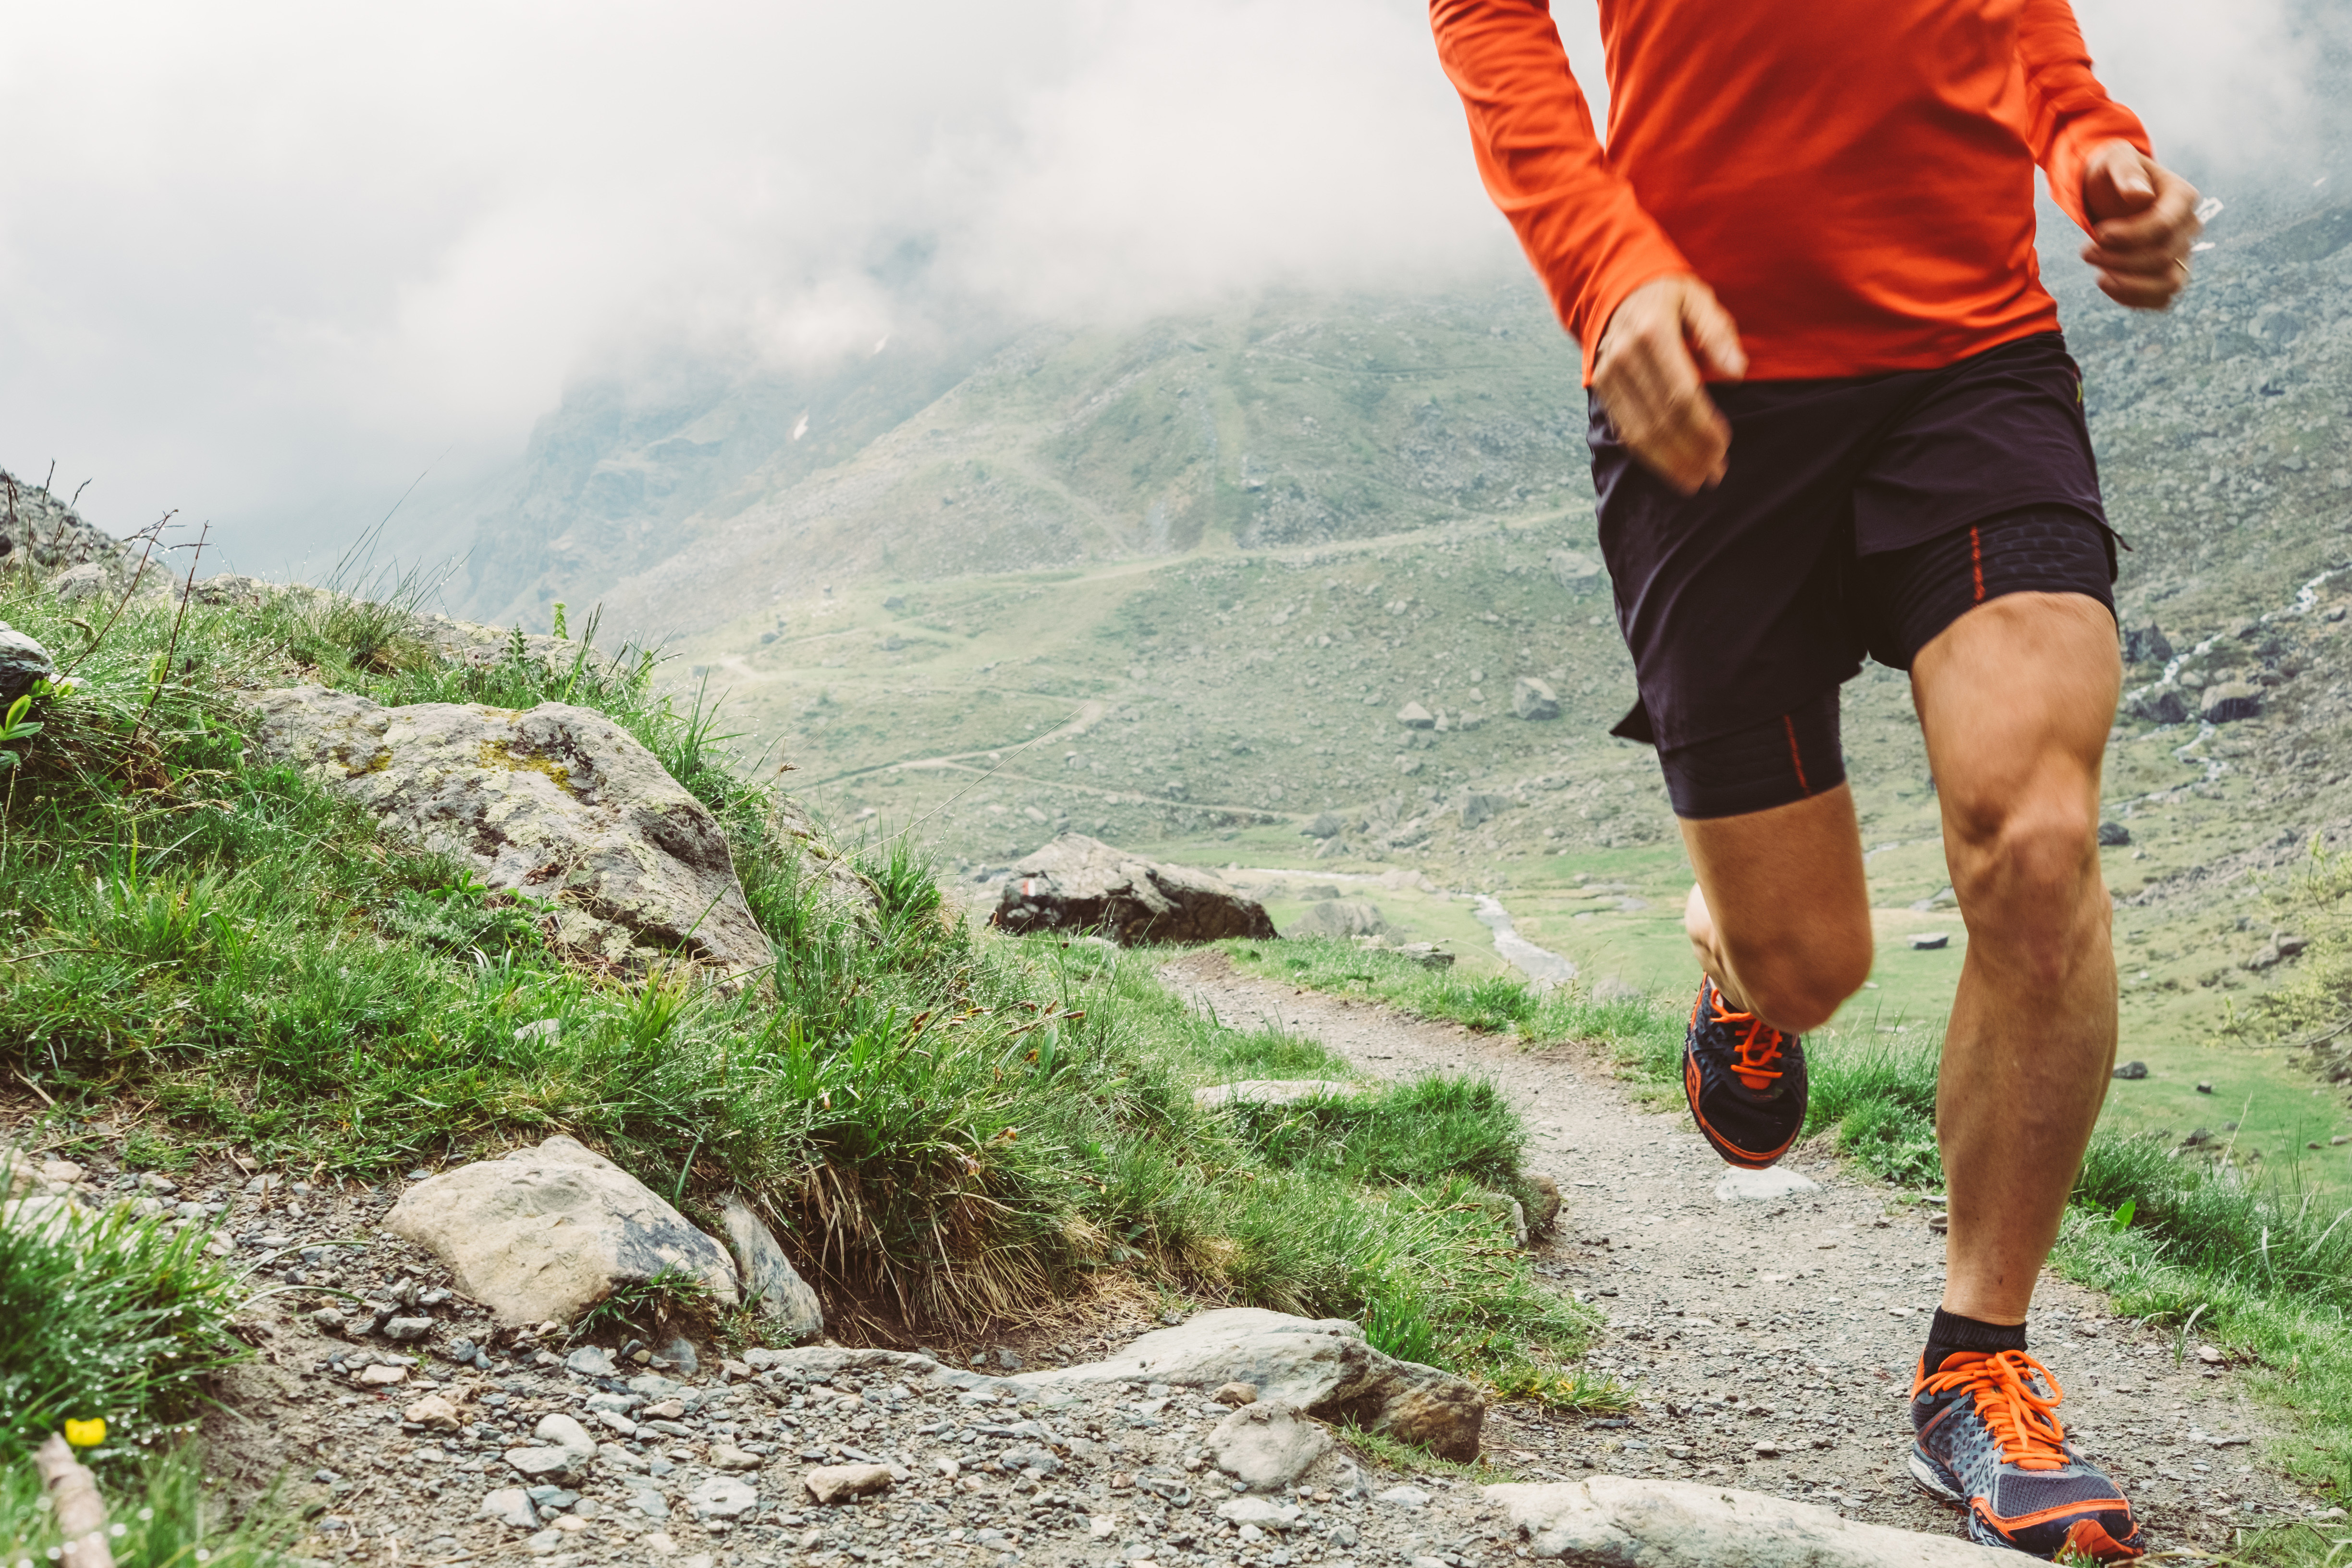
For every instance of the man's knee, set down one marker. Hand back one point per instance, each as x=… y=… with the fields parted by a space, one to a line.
x=2022 y=873
x=1798 y=980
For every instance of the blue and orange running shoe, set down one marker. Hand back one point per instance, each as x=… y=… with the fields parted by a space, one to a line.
x=1987 y=1436
x=1745 y=1080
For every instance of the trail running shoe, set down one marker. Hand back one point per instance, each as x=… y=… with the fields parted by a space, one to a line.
x=1745 y=1080
x=1986 y=1437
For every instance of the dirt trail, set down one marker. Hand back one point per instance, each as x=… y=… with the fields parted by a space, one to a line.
x=1802 y=1316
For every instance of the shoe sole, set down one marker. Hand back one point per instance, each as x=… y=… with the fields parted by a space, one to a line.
x=1940 y=1484
x=1935 y=1478
x=1730 y=1154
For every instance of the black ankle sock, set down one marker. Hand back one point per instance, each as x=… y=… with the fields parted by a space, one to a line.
x=1950 y=1333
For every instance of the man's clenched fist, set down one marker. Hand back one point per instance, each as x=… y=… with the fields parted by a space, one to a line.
x=1662 y=342
x=2143 y=219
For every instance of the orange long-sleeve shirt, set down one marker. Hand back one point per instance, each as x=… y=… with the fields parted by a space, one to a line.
x=1852 y=178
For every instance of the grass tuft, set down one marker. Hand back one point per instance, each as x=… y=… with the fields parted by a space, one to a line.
x=112 y=1317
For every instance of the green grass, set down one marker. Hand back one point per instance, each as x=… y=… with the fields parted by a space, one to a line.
x=944 y=1126
x=110 y=1317
x=1640 y=1035
x=162 y=1511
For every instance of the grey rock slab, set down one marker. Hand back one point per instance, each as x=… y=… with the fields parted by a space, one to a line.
x=1404 y=1497
x=1739 y=1186
x=548 y=1232
x=559 y=1467
x=564 y=1432
x=1082 y=883
x=1533 y=698
x=23 y=662
x=785 y=1300
x=1273 y=1091
x=1623 y=1520
x=408 y=1328
x=722 y=1496
x=1264 y=1512
x=1266 y=1445
x=592 y=1361
x=1414 y=716
x=555 y=801
x=510 y=1506
x=1323 y=1367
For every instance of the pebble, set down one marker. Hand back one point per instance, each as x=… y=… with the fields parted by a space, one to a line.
x=1405 y=1496
x=405 y=1329
x=381 y=1376
x=510 y=1506
x=434 y=1410
x=592 y=1361
x=837 y=1483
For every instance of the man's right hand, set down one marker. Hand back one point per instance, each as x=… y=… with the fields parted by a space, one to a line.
x=1660 y=343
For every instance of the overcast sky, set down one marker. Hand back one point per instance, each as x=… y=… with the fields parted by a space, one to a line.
x=265 y=261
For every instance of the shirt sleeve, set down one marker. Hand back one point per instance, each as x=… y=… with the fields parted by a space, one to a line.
x=2069 y=112
x=1531 y=130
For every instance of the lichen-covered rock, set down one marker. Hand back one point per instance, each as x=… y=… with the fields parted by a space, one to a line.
x=558 y=802
x=1077 y=883
x=547 y=1232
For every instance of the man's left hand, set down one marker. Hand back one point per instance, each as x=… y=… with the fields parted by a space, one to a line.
x=2143 y=219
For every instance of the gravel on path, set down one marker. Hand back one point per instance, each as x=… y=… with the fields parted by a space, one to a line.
x=1773 y=1339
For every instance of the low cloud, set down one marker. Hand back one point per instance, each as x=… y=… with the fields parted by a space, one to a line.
x=264 y=262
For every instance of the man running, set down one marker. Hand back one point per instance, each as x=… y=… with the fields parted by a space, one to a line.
x=1831 y=414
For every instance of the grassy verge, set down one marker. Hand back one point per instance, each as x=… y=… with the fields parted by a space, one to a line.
x=944 y=1126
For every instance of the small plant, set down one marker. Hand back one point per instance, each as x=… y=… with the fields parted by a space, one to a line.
x=15 y=728
x=646 y=1306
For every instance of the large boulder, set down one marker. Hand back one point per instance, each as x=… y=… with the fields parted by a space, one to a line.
x=2161 y=705
x=557 y=803
x=1620 y=1522
x=2230 y=701
x=548 y=1232
x=1322 y=1367
x=1076 y=883
x=1533 y=698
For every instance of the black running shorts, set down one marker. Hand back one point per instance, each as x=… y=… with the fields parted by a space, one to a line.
x=1860 y=515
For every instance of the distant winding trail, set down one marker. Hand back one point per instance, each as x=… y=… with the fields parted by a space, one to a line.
x=1812 y=1308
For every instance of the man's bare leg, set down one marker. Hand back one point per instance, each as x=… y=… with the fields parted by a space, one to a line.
x=2016 y=698
x=1781 y=914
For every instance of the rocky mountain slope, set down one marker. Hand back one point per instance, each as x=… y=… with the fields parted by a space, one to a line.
x=1174 y=587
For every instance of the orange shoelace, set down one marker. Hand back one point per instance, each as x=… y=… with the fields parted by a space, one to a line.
x=1753 y=1055
x=2024 y=1422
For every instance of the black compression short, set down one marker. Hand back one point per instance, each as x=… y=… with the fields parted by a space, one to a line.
x=1902 y=600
